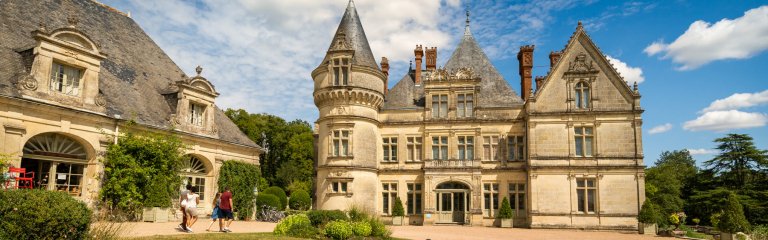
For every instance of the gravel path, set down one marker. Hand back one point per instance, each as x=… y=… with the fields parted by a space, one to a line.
x=143 y=229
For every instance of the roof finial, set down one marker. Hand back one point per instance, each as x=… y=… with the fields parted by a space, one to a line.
x=579 y=26
x=466 y=27
x=634 y=88
x=199 y=70
x=351 y=3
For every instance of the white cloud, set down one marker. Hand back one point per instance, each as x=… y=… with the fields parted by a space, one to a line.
x=705 y=42
x=738 y=100
x=726 y=120
x=630 y=74
x=703 y=151
x=660 y=129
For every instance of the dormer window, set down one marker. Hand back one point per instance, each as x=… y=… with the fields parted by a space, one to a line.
x=196 y=114
x=340 y=68
x=65 y=79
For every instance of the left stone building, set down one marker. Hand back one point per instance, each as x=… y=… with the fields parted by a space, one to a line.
x=75 y=73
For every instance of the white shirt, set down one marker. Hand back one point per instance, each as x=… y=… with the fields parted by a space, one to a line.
x=192 y=200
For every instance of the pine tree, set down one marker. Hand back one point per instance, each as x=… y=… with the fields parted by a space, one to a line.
x=732 y=219
x=506 y=211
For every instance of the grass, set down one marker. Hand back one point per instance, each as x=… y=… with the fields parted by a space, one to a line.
x=219 y=236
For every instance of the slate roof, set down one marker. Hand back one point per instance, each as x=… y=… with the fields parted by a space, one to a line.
x=355 y=35
x=494 y=89
x=132 y=76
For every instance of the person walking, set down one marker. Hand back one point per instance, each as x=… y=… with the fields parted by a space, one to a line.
x=215 y=212
x=192 y=200
x=183 y=203
x=226 y=207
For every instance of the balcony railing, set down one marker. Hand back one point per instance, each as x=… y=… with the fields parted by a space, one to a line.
x=451 y=163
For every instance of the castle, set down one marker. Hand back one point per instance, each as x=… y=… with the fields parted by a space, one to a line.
x=452 y=142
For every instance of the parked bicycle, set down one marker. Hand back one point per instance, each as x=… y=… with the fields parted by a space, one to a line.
x=270 y=214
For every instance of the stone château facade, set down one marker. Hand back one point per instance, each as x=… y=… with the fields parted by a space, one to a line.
x=452 y=142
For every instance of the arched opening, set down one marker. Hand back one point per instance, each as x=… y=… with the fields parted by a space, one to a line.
x=58 y=162
x=452 y=202
x=194 y=171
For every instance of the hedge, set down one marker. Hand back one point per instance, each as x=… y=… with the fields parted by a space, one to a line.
x=300 y=200
x=337 y=230
x=40 y=214
x=277 y=191
x=241 y=178
x=321 y=217
x=286 y=223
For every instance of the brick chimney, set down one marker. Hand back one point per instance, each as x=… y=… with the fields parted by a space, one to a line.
x=539 y=81
x=525 y=58
x=431 y=58
x=553 y=58
x=419 y=52
x=385 y=70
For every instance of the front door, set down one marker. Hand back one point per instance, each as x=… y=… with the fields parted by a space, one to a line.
x=451 y=206
x=459 y=207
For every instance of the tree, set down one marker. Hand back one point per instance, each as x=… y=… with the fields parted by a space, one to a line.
x=505 y=212
x=398 y=210
x=649 y=213
x=666 y=182
x=732 y=219
x=739 y=160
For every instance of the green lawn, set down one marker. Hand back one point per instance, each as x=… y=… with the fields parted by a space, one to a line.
x=221 y=236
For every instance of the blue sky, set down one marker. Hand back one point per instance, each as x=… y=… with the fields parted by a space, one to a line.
x=701 y=65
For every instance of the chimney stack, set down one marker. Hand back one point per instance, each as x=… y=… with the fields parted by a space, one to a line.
x=431 y=58
x=553 y=58
x=385 y=70
x=525 y=58
x=539 y=81
x=419 y=52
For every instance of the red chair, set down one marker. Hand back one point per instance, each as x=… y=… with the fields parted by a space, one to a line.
x=22 y=178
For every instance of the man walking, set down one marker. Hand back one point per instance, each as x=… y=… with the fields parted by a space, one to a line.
x=183 y=202
x=226 y=208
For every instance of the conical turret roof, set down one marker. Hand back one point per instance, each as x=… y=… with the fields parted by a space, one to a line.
x=351 y=31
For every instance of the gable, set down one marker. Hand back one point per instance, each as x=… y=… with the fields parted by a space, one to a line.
x=583 y=62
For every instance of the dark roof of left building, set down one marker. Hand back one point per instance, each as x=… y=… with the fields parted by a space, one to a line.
x=133 y=75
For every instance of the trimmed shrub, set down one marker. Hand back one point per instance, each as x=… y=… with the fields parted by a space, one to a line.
x=303 y=230
x=649 y=214
x=398 y=210
x=284 y=225
x=505 y=212
x=378 y=229
x=40 y=214
x=300 y=200
x=241 y=178
x=321 y=217
x=732 y=219
x=338 y=230
x=280 y=194
x=268 y=200
x=362 y=229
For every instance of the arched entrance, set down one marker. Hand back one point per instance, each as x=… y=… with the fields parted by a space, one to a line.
x=194 y=172
x=453 y=202
x=58 y=162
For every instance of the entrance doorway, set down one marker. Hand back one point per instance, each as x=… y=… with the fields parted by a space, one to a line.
x=453 y=201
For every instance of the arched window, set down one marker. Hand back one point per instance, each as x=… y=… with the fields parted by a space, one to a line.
x=582 y=95
x=58 y=162
x=193 y=171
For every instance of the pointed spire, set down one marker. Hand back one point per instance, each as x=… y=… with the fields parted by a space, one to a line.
x=466 y=27
x=351 y=36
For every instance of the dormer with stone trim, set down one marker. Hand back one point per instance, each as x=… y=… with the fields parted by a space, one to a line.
x=65 y=65
x=194 y=104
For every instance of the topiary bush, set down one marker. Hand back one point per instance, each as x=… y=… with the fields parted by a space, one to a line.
x=649 y=214
x=321 y=217
x=300 y=200
x=505 y=212
x=286 y=223
x=361 y=229
x=339 y=229
x=732 y=219
x=398 y=210
x=264 y=199
x=40 y=214
x=280 y=194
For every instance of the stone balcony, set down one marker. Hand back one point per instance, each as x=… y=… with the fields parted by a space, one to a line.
x=452 y=163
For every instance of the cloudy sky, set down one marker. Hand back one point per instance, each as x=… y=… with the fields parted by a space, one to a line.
x=701 y=66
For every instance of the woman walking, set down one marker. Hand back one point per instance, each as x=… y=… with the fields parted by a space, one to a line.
x=192 y=200
x=215 y=212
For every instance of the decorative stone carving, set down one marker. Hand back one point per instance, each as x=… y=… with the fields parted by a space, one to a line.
x=28 y=82
x=580 y=65
x=174 y=119
x=464 y=73
x=340 y=42
x=100 y=100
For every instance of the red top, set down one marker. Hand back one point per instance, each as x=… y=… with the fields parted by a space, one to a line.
x=225 y=197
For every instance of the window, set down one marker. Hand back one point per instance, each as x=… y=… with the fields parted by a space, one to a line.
x=582 y=95
x=339 y=187
x=340 y=71
x=586 y=191
x=389 y=193
x=390 y=149
x=583 y=137
x=466 y=147
x=516 y=148
x=439 y=105
x=196 y=114
x=517 y=198
x=414 y=198
x=440 y=147
x=464 y=105
x=193 y=172
x=491 y=148
x=68 y=178
x=198 y=185
x=414 y=149
x=491 y=196
x=341 y=143
x=65 y=79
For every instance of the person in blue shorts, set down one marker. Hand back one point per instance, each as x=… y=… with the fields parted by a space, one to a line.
x=215 y=212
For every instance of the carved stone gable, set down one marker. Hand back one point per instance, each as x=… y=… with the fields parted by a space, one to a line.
x=340 y=42
x=580 y=65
